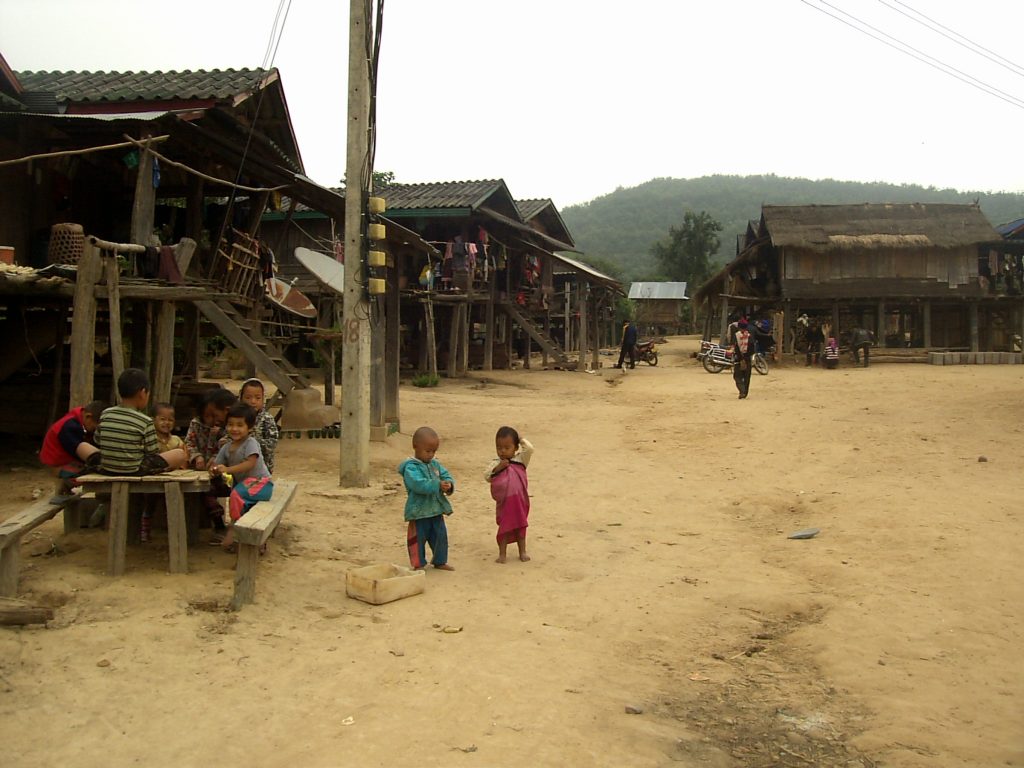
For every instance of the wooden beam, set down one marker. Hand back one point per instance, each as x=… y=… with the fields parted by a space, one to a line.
x=177 y=536
x=489 y=325
x=392 y=347
x=144 y=205
x=194 y=209
x=111 y=270
x=58 y=366
x=117 y=535
x=595 y=358
x=377 y=334
x=163 y=364
x=724 y=322
x=431 y=336
x=926 y=318
x=465 y=329
x=83 y=326
x=453 y=342
x=584 y=291
x=15 y=613
x=973 y=310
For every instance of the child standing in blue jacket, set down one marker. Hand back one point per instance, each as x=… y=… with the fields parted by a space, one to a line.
x=428 y=485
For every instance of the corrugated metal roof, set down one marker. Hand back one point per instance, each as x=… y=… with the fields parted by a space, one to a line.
x=543 y=213
x=658 y=291
x=440 y=194
x=870 y=225
x=530 y=208
x=1012 y=230
x=145 y=86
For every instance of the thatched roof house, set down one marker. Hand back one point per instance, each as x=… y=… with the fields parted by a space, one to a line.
x=885 y=266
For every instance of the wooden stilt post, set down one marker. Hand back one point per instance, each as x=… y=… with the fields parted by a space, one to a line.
x=112 y=274
x=926 y=318
x=835 y=321
x=431 y=336
x=465 y=331
x=724 y=325
x=975 y=346
x=489 y=325
x=58 y=364
x=392 y=348
x=146 y=361
x=453 y=342
x=584 y=291
x=595 y=352
x=163 y=365
x=378 y=431
x=144 y=204
x=567 y=340
x=880 y=331
x=83 y=326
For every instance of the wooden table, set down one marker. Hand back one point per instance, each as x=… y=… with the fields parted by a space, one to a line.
x=173 y=485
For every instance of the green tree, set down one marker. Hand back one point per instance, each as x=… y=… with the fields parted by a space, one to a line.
x=685 y=255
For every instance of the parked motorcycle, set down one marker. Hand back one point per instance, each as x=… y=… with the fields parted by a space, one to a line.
x=646 y=353
x=716 y=359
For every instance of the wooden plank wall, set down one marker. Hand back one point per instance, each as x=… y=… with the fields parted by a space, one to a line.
x=953 y=267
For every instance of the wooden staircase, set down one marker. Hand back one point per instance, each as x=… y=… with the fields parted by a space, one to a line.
x=536 y=332
x=245 y=336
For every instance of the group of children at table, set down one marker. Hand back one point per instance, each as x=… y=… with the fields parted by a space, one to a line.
x=232 y=437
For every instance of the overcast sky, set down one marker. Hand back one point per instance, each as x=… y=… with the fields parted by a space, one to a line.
x=569 y=99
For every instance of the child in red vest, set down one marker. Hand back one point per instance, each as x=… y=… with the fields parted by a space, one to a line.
x=68 y=446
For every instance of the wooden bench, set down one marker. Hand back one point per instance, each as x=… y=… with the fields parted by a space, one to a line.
x=251 y=531
x=11 y=531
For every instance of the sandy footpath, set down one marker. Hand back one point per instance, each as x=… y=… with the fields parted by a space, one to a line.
x=662 y=580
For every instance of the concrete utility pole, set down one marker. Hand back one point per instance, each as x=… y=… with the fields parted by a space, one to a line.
x=355 y=345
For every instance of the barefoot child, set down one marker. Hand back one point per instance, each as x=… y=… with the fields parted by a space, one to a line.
x=509 y=489
x=266 y=432
x=428 y=485
x=241 y=458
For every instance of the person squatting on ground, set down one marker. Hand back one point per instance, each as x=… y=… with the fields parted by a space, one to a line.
x=427 y=485
x=127 y=437
x=68 y=447
x=630 y=336
x=860 y=341
x=266 y=432
x=742 y=352
x=239 y=465
x=510 y=490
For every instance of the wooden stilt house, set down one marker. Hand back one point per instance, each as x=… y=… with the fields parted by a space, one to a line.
x=493 y=295
x=920 y=276
x=169 y=173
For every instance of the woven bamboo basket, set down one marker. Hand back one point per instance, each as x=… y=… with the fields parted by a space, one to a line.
x=66 y=242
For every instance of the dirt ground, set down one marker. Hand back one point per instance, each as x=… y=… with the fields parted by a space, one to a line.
x=662 y=581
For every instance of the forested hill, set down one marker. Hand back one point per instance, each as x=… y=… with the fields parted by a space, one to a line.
x=620 y=227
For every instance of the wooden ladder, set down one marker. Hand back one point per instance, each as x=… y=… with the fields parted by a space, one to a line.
x=244 y=335
x=536 y=332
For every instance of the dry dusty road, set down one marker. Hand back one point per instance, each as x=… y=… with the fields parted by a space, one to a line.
x=662 y=580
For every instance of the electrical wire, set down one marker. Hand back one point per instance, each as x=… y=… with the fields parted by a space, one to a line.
x=934 y=63
x=922 y=53
x=964 y=42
